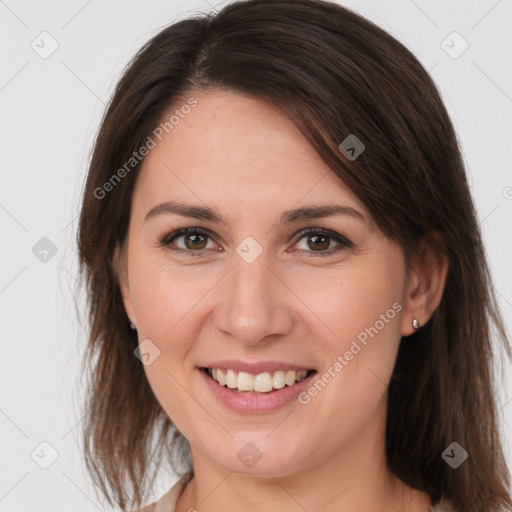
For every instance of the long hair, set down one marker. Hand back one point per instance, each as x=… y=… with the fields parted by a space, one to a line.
x=333 y=73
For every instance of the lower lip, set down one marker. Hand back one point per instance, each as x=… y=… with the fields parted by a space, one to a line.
x=255 y=404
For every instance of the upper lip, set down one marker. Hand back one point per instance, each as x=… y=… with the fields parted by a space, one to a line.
x=255 y=368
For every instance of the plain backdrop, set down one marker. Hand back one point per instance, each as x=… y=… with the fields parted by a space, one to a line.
x=50 y=109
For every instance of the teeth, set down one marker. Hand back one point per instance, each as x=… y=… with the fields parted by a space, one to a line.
x=290 y=378
x=231 y=379
x=245 y=381
x=262 y=383
x=279 y=380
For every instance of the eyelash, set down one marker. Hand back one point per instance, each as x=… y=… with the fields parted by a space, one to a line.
x=344 y=243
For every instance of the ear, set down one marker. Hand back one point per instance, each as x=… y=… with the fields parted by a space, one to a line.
x=119 y=263
x=426 y=281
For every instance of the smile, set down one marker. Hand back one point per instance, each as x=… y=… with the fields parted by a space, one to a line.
x=255 y=393
x=265 y=382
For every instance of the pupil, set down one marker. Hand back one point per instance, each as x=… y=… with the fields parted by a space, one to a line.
x=194 y=239
x=321 y=246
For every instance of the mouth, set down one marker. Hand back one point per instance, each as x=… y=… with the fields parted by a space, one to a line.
x=265 y=383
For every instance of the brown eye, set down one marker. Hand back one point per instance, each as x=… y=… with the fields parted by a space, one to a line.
x=319 y=241
x=194 y=240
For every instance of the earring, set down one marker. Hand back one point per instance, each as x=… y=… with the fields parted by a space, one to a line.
x=415 y=324
x=132 y=325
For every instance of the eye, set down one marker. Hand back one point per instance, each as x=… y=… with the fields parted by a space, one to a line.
x=318 y=239
x=195 y=241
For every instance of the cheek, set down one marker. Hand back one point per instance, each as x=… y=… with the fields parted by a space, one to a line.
x=353 y=301
x=168 y=300
x=165 y=296
x=361 y=309
x=164 y=302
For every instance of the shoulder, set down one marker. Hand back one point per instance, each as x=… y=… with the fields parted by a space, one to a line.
x=443 y=506
x=167 y=503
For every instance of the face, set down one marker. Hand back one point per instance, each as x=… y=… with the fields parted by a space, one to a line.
x=262 y=296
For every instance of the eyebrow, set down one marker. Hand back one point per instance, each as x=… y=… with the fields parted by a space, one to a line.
x=287 y=217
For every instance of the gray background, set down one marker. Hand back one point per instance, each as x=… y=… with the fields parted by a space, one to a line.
x=50 y=109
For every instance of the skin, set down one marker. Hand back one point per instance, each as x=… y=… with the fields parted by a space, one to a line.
x=242 y=158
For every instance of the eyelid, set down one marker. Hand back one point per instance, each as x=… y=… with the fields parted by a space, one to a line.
x=176 y=232
x=332 y=234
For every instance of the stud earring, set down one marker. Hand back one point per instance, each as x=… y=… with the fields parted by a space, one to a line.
x=416 y=325
x=132 y=325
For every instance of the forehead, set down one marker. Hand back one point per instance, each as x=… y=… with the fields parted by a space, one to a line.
x=233 y=146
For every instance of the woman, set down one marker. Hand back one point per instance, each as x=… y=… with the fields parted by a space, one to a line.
x=277 y=203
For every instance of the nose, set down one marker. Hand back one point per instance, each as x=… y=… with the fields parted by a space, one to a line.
x=255 y=303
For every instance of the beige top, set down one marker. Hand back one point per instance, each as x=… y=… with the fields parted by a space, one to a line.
x=167 y=503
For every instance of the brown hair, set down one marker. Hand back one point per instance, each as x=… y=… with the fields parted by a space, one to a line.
x=333 y=73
